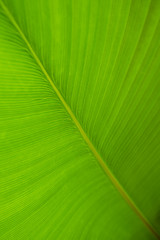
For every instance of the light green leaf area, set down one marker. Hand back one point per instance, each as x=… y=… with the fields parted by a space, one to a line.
x=79 y=119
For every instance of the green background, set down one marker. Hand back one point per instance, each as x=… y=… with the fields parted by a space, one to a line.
x=104 y=58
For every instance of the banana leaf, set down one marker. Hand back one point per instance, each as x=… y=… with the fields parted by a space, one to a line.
x=79 y=119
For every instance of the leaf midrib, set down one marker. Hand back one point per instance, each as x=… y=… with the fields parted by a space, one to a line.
x=101 y=162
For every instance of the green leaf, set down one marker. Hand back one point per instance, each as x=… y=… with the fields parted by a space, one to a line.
x=79 y=119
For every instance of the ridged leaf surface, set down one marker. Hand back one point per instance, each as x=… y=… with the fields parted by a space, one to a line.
x=79 y=119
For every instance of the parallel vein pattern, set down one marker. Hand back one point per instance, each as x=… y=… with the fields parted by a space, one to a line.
x=130 y=82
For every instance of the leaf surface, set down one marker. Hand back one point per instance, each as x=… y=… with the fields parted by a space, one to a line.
x=100 y=60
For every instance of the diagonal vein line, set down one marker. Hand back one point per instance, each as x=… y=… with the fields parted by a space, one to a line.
x=101 y=162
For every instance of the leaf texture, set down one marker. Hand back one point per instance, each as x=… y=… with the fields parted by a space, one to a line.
x=103 y=58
